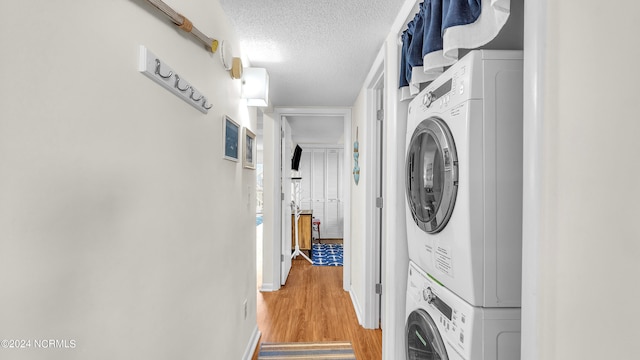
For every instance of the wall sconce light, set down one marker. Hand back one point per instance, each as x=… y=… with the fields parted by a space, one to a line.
x=255 y=86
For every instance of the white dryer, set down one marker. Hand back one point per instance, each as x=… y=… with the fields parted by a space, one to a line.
x=441 y=326
x=464 y=178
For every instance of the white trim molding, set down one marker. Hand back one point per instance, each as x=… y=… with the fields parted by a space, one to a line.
x=268 y=287
x=356 y=306
x=535 y=32
x=252 y=345
x=375 y=80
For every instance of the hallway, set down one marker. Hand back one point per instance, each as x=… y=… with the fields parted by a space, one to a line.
x=312 y=306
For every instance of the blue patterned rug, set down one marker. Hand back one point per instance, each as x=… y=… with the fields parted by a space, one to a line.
x=327 y=254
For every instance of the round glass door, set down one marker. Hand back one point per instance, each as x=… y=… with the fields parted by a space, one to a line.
x=423 y=339
x=431 y=175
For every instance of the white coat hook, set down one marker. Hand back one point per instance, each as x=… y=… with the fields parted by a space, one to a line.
x=204 y=103
x=194 y=99
x=177 y=84
x=158 y=71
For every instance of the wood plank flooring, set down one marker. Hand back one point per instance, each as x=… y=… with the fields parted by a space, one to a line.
x=312 y=306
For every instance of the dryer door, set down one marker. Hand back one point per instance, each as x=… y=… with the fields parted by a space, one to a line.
x=431 y=175
x=423 y=339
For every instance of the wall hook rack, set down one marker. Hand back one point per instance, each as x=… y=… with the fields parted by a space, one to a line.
x=153 y=68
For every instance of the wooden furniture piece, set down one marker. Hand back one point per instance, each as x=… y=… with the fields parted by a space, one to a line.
x=304 y=230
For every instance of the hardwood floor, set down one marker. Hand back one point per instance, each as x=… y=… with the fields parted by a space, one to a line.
x=312 y=306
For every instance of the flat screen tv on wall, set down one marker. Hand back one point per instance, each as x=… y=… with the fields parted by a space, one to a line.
x=295 y=160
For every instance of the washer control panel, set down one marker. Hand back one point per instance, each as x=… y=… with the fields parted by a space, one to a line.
x=453 y=317
x=454 y=322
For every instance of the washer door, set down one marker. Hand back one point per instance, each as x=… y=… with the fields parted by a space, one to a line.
x=431 y=175
x=423 y=339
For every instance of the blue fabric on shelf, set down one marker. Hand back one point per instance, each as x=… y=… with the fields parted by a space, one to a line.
x=403 y=60
x=405 y=67
x=432 y=35
x=460 y=12
x=441 y=14
x=424 y=34
x=414 y=57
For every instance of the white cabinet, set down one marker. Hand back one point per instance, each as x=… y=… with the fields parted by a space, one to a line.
x=333 y=191
x=321 y=187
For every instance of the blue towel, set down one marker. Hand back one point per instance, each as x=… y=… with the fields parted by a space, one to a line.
x=414 y=56
x=432 y=35
x=441 y=27
x=460 y=12
x=442 y=14
x=405 y=62
x=471 y=24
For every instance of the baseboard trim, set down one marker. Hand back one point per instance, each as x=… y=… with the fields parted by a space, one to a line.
x=268 y=287
x=252 y=345
x=356 y=306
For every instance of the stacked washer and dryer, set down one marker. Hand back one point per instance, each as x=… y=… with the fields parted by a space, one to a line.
x=463 y=181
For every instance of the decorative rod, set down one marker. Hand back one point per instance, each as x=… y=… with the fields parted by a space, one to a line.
x=185 y=24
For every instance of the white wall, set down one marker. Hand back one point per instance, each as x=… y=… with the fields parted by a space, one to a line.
x=121 y=226
x=588 y=245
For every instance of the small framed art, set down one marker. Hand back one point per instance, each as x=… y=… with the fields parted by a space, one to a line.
x=230 y=139
x=249 y=154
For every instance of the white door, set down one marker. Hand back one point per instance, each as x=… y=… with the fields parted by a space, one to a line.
x=318 y=167
x=322 y=170
x=285 y=189
x=321 y=186
x=333 y=205
x=305 y=184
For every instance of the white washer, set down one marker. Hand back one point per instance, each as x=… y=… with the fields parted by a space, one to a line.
x=442 y=326
x=464 y=178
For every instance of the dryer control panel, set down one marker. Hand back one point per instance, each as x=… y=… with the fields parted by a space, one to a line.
x=431 y=97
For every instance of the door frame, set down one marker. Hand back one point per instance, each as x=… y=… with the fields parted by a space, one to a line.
x=344 y=112
x=285 y=200
x=374 y=221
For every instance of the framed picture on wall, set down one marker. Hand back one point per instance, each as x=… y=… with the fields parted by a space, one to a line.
x=230 y=139
x=249 y=153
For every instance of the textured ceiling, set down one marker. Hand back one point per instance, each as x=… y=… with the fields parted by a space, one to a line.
x=317 y=52
x=317 y=129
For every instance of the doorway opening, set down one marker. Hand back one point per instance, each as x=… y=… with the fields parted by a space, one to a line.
x=323 y=179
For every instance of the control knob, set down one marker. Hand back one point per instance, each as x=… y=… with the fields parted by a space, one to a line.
x=428 y=99
x=428 y=295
